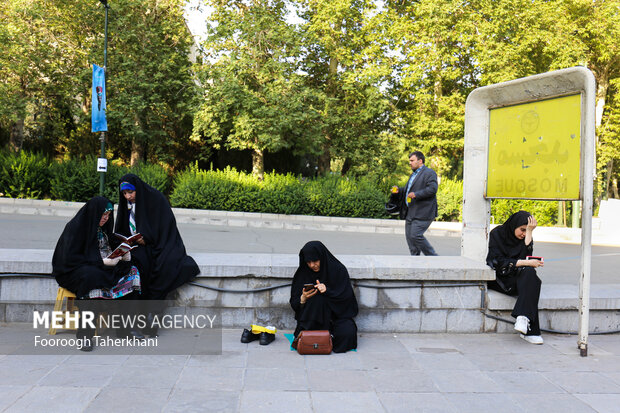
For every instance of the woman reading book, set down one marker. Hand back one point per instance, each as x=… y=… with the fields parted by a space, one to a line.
x=322 y=296
x=162 y=259
x=80 y=262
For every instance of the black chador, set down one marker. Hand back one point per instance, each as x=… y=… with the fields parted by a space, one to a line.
x=163 y=261
x=332 y=310
x=77 y=263
x=505 y=249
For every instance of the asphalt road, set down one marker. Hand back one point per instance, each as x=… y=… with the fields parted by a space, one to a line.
x=562 y=261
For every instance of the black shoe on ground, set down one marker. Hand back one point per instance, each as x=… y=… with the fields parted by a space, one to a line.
x=247 y=336
x=88 y=344
x=86 y=334
x=152 y=327
x=266 y=338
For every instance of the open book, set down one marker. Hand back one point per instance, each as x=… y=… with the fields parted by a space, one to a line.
x=121 y=250
x=129 y=240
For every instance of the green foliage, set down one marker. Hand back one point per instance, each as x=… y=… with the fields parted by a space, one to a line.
x=545 y=212
x=154 y=175
x=450 y=200
x=24 y=175
x=75 y=179
x=231 y=190
x=353 y=85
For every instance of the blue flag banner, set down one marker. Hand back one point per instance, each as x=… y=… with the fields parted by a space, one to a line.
x=99 y=122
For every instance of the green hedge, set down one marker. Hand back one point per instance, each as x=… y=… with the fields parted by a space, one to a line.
x=545 y=212
x=24 y=175
x=450 y=206
x=450 y=200
x=231 y=190
x=31 y=175
x=77 y=179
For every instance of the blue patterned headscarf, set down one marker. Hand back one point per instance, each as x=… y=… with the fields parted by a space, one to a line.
x=126 y=186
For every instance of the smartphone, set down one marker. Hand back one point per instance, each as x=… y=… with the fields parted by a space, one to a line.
x=308 y=287
x=531 y=257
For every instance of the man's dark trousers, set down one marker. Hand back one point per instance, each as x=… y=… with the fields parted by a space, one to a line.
x=414 y=232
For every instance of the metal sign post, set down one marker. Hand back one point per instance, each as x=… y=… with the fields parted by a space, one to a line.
x=102 y=171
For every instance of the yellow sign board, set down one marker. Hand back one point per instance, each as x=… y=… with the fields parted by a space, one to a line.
x=535 y=150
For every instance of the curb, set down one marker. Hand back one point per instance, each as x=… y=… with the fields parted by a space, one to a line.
x=307 y=222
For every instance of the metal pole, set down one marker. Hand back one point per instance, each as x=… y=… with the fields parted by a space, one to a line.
x=589 y=171
x=105 y=66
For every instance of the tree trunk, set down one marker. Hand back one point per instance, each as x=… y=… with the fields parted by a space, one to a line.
x=602 y=80
x=258 y=164
x=17 y=136
x=325 y=160
x=601 y=94
x=610 y=170
x=346 y=166
x=137 y=152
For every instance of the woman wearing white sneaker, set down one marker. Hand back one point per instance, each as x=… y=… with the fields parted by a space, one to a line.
x=509 y=245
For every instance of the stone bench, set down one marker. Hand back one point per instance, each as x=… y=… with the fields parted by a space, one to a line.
x=395 y=293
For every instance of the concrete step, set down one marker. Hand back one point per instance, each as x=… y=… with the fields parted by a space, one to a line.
x=395 y=293
x=559 y=308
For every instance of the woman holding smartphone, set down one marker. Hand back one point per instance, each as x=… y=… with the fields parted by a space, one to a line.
x=510 y=245
x=322 y=296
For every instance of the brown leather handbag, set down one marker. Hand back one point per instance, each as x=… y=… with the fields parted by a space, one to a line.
x=313 y=342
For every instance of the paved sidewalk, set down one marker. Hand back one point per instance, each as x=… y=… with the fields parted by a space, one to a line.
x=388 y=373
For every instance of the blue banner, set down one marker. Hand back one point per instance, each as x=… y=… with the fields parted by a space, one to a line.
x=99 y=122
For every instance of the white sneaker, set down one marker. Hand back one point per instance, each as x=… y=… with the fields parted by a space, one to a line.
x=532 y=339
x=522 y=324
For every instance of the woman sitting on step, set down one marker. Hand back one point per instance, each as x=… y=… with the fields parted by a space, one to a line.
x=322 y=296
x=80 y=262
x=509 y=245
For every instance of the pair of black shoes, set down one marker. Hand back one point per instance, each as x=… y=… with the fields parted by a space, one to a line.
x=263 y=338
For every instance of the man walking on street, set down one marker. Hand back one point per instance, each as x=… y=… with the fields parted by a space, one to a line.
x=419 y=204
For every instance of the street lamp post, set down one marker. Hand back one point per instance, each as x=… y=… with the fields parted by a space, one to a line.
x=105 y=66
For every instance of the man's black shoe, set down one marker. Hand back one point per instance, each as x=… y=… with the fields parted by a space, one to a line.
x=266 y=338
x=247 y=336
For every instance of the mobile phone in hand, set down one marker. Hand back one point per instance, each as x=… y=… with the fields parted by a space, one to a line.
x=532 y=257
x=309 y=287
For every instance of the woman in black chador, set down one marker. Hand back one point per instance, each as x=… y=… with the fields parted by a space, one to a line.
x=331 y=304
x=509 y=245
x=161 y=256
x=80 y=265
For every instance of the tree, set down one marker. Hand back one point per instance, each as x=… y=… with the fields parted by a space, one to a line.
x=151 y=91
x=345 y=65
x=519 y=38
x=253 y=96
x=433 y=40
x=45 y=77
x=43 y=53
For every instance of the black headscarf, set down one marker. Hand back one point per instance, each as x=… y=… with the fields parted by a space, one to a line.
x=77 y=263
x=332 y=273
x=504 y=247
x=170 y=266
